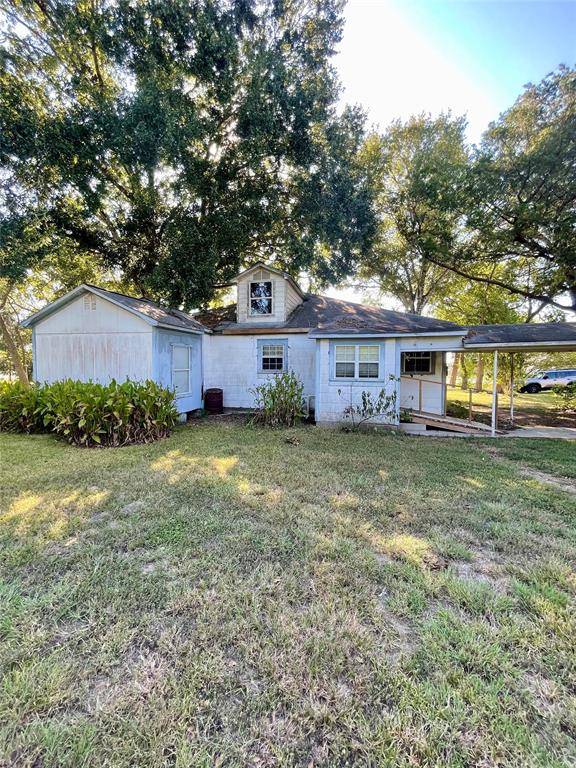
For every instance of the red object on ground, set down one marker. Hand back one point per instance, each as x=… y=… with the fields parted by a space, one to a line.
x=214 y=400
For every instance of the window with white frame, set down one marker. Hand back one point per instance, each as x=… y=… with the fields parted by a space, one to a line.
x=181 y=369
x=261 y=298
x=272 y=356
x=418 y=362
x=357 y=361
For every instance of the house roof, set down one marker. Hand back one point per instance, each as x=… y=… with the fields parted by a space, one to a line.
x=325 y=317
x=521 y=335
x=150 y=311
x=213 y=318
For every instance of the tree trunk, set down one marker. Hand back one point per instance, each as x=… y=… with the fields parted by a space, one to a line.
x=464 y=376
x=454 y=371
x=479 y=373
x=12 y=350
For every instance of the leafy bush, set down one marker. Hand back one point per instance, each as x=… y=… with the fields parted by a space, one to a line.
x=20 y=407
x=279 y=402
x=406 y=416
x=90 y=414
x=567 y=396
x=371 y=407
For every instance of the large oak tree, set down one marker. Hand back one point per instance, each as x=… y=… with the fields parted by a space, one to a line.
x=179 y=139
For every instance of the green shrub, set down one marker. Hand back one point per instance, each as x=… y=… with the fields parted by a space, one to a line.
x=90 y=414
x=567 y=396
x=279 y=402
x=370 y=407
x=459 y=410
x=19 y=407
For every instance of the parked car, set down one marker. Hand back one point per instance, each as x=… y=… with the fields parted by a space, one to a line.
x=548 y=379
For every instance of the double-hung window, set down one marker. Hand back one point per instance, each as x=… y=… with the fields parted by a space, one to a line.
x=272 y=355
x=261 y=298
x=181 y=369
x=357 y=361
x=418 y=362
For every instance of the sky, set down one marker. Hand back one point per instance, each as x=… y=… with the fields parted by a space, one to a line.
x=401 y=57
x=398 y=58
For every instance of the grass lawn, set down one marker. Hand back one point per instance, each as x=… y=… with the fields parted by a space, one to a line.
x=530 y=410
x=544 y=401
x=226 y=598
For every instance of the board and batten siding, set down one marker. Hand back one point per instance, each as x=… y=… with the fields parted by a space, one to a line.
x=231 y=363
x=91 y=339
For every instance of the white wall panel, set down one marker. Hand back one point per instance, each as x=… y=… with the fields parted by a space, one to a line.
x=231 y=363
x=332 y=397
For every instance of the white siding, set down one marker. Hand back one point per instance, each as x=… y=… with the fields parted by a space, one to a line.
x=231 y=363
x=293 y=299
x=332 y=397
x=97 y=344
x=284 y=298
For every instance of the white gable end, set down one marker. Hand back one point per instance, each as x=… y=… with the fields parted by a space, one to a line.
x=90 y=313
x=266 y=290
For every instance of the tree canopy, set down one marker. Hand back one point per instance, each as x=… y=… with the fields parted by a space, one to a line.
x=520 y=206
x=417 y=170
x=502 y=214
x=178 y=140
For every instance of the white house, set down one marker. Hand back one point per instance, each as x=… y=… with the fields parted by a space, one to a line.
x=338 y=349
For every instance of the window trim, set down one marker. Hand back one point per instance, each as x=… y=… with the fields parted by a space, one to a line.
x=356 y=379
x=252 y=298
x=174 y=370
x=261 y=343
x=431 y=367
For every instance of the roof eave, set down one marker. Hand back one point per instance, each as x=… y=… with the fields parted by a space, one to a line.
x=519 y=345
x=182 y=329
x=392 y=335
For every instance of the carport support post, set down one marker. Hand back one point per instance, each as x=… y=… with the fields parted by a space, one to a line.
x=494 y=393
x=512 y=388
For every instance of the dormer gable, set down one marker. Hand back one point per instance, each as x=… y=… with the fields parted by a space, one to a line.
x=266 y=295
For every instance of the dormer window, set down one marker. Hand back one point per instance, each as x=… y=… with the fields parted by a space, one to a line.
x=261 y=298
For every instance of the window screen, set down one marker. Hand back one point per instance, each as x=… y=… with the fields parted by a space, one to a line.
x=368 y=362
x=345 y=361
x=357 y=361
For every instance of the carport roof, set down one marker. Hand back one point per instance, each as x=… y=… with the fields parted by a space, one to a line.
x=522 y=336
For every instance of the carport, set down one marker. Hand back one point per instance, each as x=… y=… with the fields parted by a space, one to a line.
x=521 y=337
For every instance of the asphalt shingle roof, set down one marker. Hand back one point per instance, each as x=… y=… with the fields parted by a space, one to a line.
x=171 y=317
x=521 y=333
x=320 y=314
